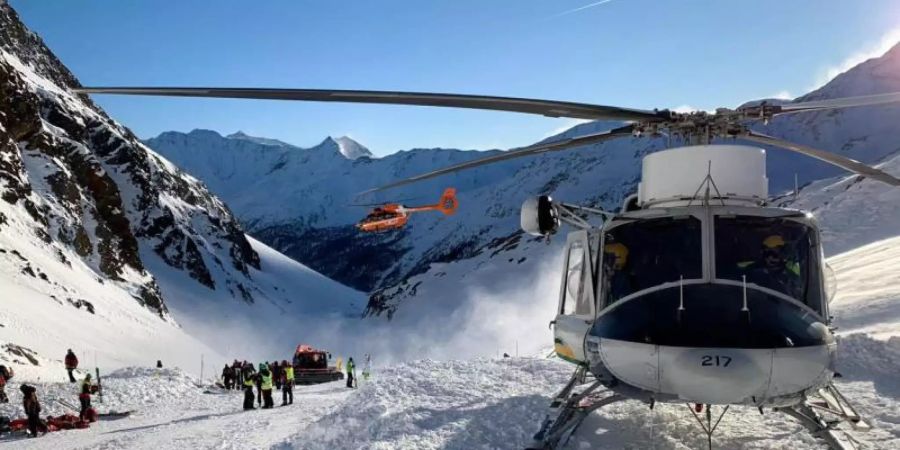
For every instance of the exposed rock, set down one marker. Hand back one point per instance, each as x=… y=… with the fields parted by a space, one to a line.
x=91 y=186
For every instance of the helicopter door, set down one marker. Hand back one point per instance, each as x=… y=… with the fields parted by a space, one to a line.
x=576 y=305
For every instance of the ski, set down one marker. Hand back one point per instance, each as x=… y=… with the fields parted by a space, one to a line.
x=99 y=385
x=66 y=404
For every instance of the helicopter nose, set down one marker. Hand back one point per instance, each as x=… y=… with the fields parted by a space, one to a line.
x=712 y=315
x=710 y=351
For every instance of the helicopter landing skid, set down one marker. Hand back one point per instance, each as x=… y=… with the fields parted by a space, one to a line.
x=822 y=412
x=570 y=409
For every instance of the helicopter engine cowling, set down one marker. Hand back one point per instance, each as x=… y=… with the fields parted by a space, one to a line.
x=728 y=174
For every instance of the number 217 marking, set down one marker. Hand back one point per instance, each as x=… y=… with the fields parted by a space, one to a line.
x=718 y=361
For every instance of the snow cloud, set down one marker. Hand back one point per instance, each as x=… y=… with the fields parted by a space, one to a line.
x=566 y=125
x=871 y=50
x=781 y=95
x=483 y=314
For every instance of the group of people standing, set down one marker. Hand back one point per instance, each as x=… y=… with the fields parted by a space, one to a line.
x=243 y=375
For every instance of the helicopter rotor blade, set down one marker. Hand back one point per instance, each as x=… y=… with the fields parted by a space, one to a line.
x=555 y=146
x=831 y=158
x=548 y=108
x=835 y=103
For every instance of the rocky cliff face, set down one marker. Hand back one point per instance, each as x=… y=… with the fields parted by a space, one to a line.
x=82 y=182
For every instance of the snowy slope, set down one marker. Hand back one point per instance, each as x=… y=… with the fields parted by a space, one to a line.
x=852 y=211
x=868 y=299
x=102 y=239
x=309 y=211
x=53 y=300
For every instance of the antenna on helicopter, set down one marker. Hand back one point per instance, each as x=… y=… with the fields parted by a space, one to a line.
x=707 y=182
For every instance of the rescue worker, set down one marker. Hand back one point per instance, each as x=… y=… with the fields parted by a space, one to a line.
x=227 y=377
x=265 y=386
x=85 y=397
x=618 y=281
x=258 y=379
x=773 y=269
x=287 y=383
x=276 y=374
x=247 y=371
x=32 y=408
x=238 y=374
x=350 y=367
x=248 y=391
x=71 y=362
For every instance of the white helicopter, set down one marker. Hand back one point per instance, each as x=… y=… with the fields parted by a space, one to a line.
x=696 y=292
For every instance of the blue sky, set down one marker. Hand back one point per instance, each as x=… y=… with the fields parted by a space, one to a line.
x=635 y=53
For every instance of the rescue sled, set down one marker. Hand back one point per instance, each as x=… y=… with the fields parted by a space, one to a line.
x=311 y=366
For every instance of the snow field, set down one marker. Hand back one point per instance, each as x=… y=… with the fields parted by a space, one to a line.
x=172 y=412
x=482 y=403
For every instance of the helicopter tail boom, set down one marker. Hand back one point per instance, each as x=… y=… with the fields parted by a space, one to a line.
x=447 y=204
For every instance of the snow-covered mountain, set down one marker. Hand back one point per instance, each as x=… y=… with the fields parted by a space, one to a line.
x=852 y=211
x=300 y=200
x=108 y=248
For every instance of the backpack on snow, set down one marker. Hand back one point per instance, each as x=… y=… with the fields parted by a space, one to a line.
x=6 y=372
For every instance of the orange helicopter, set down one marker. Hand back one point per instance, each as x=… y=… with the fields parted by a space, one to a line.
x=393 y=216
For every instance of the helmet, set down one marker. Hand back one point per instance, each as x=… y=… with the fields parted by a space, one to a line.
x=619 y=251
x=773 y=241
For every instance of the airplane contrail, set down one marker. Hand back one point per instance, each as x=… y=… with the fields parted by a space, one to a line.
x=564 y=13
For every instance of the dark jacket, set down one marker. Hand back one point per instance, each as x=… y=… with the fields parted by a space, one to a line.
x=29 y=401
x=71 y=361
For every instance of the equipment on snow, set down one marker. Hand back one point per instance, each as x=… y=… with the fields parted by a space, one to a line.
x=311 y=366
x=99 y=385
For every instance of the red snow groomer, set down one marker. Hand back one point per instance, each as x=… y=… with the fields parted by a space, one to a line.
x=311 y=366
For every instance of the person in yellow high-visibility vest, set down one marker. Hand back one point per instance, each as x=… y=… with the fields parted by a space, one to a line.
x=350 y=369
x=287 y=383
x=776 y=268
x=265 y=384
x=249 y=382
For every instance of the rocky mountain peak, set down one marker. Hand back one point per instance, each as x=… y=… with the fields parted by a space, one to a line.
x=87 y=187
x=352 y=149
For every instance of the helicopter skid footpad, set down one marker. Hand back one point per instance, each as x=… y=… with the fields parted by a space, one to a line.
x=822 y=412
x=568 y=410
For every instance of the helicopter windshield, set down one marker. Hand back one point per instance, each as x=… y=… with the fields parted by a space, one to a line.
x=775 y=253
x=646 y=253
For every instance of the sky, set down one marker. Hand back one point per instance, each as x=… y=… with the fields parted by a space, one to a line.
x=647 y=54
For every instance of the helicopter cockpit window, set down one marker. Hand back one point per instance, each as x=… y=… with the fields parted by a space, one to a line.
x=575 y=303
x=774 y=253
x=647 y=253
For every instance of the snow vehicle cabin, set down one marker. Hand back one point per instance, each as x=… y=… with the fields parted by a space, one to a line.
x=311 y=366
